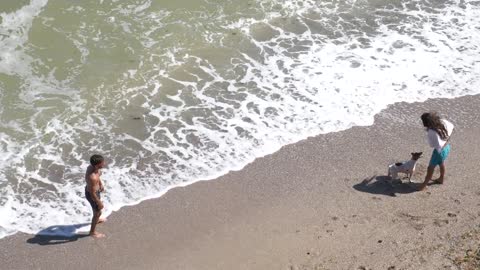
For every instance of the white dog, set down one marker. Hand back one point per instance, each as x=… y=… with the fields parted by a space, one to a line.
x=406 y=167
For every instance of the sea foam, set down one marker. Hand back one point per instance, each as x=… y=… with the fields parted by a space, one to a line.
x=192 y=107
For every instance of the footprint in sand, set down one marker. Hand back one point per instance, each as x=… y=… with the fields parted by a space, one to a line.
x=440 y=222
x=415 y=221
x=411 y=217
x=451 y=215
x=418 y=226
x=457 y=201
x=305 y=266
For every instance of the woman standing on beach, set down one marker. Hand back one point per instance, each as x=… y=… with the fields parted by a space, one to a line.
x=438 y=134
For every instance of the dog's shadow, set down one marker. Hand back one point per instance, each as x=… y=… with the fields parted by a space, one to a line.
x=58 y=234
x=384 y=185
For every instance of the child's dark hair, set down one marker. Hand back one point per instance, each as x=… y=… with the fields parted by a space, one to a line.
x=96 y=159
x=432 y=120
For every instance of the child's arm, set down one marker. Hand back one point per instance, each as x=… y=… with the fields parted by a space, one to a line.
x=93 y=193
x=101 y=186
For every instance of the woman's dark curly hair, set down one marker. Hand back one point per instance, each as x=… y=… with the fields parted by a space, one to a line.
x=431 y=120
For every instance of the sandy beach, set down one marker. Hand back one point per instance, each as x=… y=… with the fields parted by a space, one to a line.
x=322 y=203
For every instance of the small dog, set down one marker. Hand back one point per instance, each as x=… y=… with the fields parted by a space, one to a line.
x=406 y=167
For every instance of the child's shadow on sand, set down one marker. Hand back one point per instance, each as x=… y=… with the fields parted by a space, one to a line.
x=385 y=186
x=59 y=234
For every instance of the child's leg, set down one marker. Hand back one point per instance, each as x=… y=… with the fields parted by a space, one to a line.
x=95 y=218
x=442 y=173
x=444 y=155
x=428 y=177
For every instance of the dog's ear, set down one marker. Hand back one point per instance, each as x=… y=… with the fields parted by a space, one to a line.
x=413 y=153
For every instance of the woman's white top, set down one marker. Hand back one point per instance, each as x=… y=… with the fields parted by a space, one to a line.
x=434 y=139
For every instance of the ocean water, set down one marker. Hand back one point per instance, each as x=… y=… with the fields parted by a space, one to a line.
x=173 y=92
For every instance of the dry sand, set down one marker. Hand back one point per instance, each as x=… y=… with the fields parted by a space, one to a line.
x=322 y=203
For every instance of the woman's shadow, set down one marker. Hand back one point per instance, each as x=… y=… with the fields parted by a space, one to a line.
x=58 y=234
x=384 y=185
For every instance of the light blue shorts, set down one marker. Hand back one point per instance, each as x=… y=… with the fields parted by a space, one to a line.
x=439 y=158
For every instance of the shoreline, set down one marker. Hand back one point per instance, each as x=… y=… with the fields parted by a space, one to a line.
x=306 y=205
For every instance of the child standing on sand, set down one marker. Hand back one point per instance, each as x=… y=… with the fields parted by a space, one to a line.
x=92 y=191
x=438 y=134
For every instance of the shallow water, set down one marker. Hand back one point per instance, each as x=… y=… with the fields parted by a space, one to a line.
x=180 y=91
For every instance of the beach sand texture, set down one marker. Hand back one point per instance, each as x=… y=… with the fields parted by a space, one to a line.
x=322 y=203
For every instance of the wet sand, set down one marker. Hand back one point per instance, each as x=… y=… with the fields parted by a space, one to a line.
x=322 y=203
